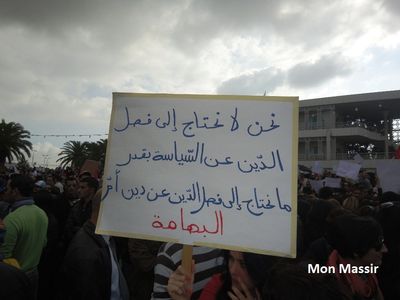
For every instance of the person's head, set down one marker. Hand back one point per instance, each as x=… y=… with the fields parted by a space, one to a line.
x=84 y=174
x=248 y=268
x=390 y=197
x=356 y=193
x=71 y=188
x=238 y=270
x=389 y=218
x=359 y=239
x=18 y=187
x=325 y=193
x=87 y=188
x=351 y=203
x=50 y=180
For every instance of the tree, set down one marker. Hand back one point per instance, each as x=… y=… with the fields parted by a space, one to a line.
x=97 y=150
x=13 y=142
x=74 y=153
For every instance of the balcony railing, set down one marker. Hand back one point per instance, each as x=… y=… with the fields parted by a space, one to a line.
x=349 y=124
x=345 y=156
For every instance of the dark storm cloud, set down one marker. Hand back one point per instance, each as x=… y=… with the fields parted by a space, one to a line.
x=309 y=74
x=255 y=83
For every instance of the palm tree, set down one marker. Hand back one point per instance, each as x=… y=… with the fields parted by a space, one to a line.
x=97 y=150
x=13 y=142
x=73 y=152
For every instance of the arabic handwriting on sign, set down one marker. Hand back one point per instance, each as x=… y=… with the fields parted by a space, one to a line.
x=110 y=186
x=257 y=203
x=284 y=207
x=192 y=228
x=235 y=123
x=153 y=196
x=136 y=123
x=246 y=167
x=205 y=121
x=161 y=124
x=157 y=224
x=187 y=127
x=256 y=129
x=127 y=121
x=145 y=155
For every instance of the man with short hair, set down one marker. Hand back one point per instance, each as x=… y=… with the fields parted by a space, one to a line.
x=81 y=212
x=91 y=269
x=26 y=227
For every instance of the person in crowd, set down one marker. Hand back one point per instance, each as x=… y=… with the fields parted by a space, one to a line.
x=364 y=180
x=50 y=182
x=50 y=258
x=316 y=220
x=289 y=281
x=91 y=269
x=320 y=249
x=67 y=200
x=352 y=202
x=243 y=278
x=26 y=228
x=82 y=210
x=326 y=193
x=140 y=269
x=58 y=183
x=15 y=284
x=390 y=196
x=84 y=174
x=207 y=262
x=358 y=249
x=389 y=272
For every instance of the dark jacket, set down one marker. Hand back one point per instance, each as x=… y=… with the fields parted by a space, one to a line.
x=86 y=272
x=15 y=285
x=78 y=215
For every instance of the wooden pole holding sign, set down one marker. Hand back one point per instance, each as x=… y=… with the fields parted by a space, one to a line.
x=187 y=258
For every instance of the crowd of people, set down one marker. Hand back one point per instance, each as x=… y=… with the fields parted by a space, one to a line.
x=348 y=247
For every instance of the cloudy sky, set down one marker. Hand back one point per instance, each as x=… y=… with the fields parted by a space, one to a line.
x=61 y=60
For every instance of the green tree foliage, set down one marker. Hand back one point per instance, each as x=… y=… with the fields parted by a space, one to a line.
x=13 y=142
x=75 y=152
x=97 y=150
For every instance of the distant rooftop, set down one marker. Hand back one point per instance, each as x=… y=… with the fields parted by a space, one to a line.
x=368 y=105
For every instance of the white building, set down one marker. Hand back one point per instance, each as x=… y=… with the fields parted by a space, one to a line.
x=335 y=128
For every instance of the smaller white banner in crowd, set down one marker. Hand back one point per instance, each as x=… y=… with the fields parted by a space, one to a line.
x=348 y=169
x=389 y=175
x=358 y=159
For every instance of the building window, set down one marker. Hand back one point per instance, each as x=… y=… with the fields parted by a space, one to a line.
x=396 y=130
x=312 y=119
x=314 y=147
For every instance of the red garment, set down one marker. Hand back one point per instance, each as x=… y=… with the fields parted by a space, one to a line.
x=367 y=288
x=211 y=288
x=397 y=153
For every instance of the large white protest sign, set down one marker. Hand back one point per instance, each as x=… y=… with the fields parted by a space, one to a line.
x=348 y=169
x=219 y=171
x=389 y=175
